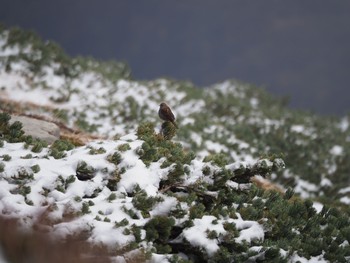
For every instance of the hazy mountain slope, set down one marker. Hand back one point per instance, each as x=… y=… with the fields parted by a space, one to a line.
x=191 y=190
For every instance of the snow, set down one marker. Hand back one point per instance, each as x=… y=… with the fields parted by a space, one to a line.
x=195 y=137
x=233 y=185
x=344 y=190
x=14 y=205
x=210 y=129
x=250 y=230
x=138 y=174
x=188 y=121
x=336 y=150
x=164 y=207
x=269 y=122
x=298 y=128
x=344 y=124
x=108 y=211
x=345 y=200
x=235 y=166
x=318 y=206
x=197 y=234
x=100 y=219
x=51 y=79
x=92 y=96
x=107 y=233
x=226 y=87
x=254 y=102
x=241 y=144
x=318 y=259
x=215 y=147
x=305 y=188
x=325 y=182
x=8 y=51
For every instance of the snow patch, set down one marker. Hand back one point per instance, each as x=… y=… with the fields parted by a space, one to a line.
x=336 y=150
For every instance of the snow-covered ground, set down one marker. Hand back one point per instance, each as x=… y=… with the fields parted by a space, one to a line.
x=41 y=186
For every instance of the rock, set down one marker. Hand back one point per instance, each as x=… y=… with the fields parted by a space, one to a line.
x=43 y=130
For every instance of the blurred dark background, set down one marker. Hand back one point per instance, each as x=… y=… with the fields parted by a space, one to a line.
x=294 y=48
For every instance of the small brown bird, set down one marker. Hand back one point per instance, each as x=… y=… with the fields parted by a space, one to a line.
x=166 y=114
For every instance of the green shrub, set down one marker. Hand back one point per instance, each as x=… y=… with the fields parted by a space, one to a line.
x=38 y=145
x=35 y=168
x=112 y=197
x=100 y=150
x=85 y=171
x=158 y=229
x=124 y=147
x=85 y=209
x=115 y=158
x=59 y=147
x=144 y=203
x=6 y=157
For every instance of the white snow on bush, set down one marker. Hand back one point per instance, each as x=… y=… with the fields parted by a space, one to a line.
x=336 y=150
x=98 y=214
x=197 y=235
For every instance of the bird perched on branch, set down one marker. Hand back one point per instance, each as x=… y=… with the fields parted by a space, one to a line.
x=166 y=114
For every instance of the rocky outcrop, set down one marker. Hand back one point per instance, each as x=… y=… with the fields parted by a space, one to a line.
x=43 y=130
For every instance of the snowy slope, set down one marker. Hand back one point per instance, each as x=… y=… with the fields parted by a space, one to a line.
x=229 y=127
x=70 y=206
x=232 y=118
